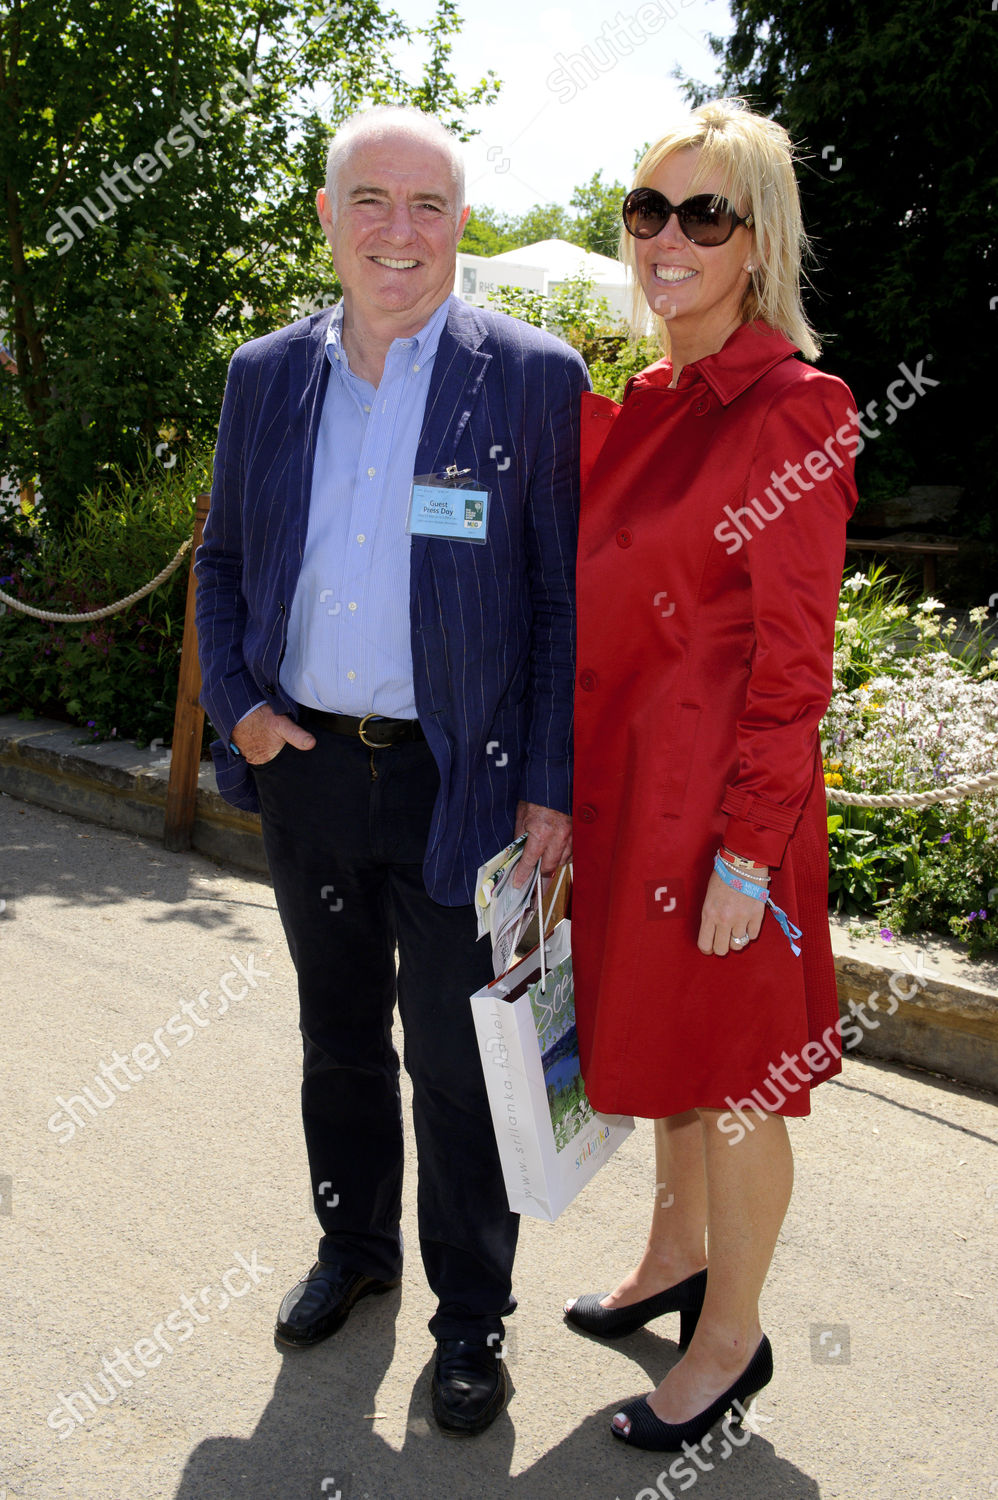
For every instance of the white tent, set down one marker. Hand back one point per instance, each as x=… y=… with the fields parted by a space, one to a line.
x=542 y=267
x=562 y=260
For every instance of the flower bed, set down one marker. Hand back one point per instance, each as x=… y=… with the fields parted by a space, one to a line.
x=914 y=707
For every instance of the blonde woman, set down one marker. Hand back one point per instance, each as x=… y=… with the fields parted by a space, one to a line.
x=711 y=550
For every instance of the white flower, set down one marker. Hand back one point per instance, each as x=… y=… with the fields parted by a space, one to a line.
x=978 y=615
x=856 y=582
x=930 y=604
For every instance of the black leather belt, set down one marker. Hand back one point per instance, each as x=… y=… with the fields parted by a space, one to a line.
x=372 y=729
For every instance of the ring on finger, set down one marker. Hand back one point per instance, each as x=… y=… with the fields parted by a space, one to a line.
x=739 y=942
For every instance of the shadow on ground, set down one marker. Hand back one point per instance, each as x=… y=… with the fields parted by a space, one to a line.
x=316 y=1441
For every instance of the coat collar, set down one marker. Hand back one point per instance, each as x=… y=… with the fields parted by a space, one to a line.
x=750 y=352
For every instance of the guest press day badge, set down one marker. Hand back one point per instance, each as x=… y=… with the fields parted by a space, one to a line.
x=449 y=505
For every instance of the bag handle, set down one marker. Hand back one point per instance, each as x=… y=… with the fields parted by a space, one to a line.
x=540 y=914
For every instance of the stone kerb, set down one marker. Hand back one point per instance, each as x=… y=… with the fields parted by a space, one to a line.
x=934 y=1009
x=119 y=785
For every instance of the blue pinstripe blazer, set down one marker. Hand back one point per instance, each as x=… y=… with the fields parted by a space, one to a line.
x=492 y=626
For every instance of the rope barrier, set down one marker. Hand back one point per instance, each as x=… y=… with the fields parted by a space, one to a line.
x=109 y=609
x=955 y=791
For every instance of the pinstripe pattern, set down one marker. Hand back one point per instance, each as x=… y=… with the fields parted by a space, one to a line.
x=492 y=626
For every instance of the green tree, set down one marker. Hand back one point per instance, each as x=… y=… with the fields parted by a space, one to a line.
x=546 y=221
x=598 y=222
x=487 y=232
x=158 y=165
x=892 y=101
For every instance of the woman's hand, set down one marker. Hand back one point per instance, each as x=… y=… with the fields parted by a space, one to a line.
x=727 y=913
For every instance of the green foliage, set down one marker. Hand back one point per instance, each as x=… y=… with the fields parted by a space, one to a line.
x=575 y=313
x=598 y=223
x=595 y=226
x=488 y=232
x=949 y=886
x=858 y=867
x=913 y=707
x=610 y=376
x=520 y=302
x=546 y=221
x=116 y=676
x=904 y=223
x=122 y=332
x=871 y=606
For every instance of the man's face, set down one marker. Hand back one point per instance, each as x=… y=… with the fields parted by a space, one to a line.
x=394 y=230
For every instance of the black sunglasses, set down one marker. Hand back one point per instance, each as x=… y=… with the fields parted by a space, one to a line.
x=704 y=219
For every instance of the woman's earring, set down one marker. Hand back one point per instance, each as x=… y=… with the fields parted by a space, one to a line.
x=750 y=269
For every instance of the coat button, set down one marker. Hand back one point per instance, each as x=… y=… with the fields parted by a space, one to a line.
x=624 y=538
x=701 y=407
x=268 y=688
x=282 y=607
x=588 y=681
x=587 y=814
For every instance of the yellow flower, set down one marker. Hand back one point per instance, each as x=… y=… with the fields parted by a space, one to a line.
x=832 y=778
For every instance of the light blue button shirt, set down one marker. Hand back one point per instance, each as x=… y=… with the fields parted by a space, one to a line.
x=349 y=647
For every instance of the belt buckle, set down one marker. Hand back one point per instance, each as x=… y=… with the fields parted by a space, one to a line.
x=373 y=744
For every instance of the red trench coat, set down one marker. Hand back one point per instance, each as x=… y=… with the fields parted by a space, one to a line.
x=707 y=598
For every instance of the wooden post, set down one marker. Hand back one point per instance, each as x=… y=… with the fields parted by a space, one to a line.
x=188 y=719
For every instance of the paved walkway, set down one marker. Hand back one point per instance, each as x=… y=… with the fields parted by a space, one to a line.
x=158 y=1232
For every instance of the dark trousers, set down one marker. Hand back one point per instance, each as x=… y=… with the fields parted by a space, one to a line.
x=345 y=851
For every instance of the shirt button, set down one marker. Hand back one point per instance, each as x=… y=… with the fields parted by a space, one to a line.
x=361 y=537
x=370 y=473
x=624 y=538
x=415 y=369
x=351 y=606
x=587 y=814
x=701 y=407
x=367 y=408
x=588 y=681
x=351 y=676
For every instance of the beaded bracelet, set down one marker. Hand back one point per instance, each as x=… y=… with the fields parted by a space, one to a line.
x=759 y=893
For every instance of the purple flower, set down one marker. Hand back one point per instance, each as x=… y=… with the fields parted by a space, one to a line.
x=887 y=934
x=945 y=838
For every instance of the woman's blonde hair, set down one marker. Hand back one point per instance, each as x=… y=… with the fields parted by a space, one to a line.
x=755 y=158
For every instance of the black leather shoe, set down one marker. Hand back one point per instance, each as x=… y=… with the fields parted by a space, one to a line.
x=321 y=1303
x=470 y=1385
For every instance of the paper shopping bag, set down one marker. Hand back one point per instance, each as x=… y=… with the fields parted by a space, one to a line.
x=551 y=1141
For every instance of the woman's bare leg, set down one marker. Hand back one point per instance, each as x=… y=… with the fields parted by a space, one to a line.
x=749 y=1183
x=675 y=1247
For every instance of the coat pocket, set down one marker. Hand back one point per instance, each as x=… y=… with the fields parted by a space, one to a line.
x=680 y=748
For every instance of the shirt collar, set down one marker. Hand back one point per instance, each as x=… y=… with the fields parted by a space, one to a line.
x=749 y=352
x=424 y=342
